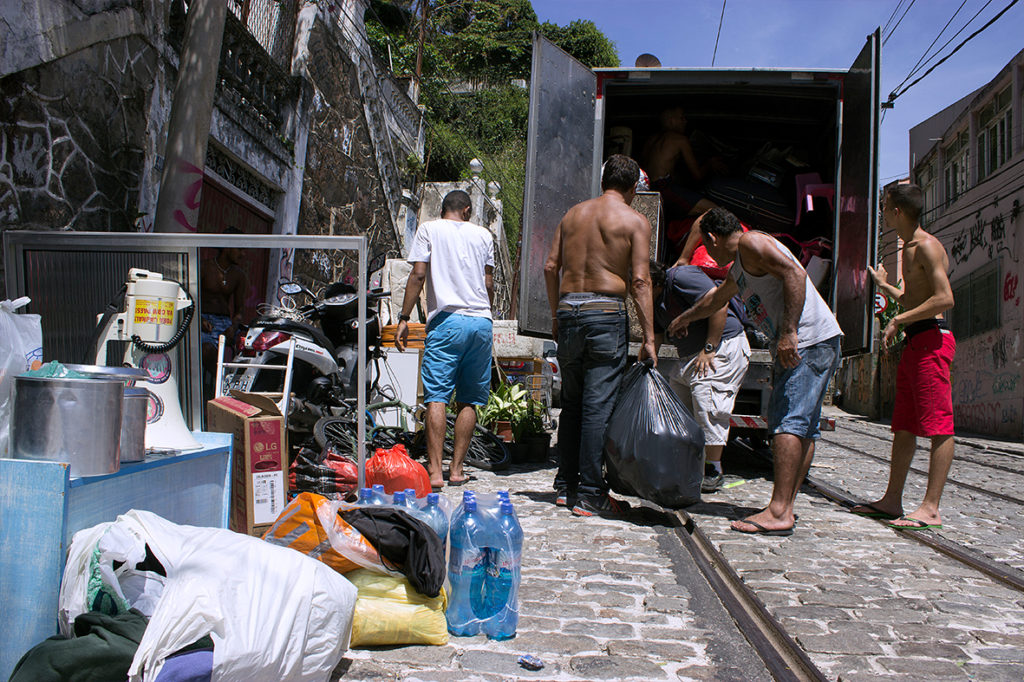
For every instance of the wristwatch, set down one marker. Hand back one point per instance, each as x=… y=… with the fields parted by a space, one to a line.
x=708 y=348
x=403 y=318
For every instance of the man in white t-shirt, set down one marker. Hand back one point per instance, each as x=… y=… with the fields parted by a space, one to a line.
x=455 y=258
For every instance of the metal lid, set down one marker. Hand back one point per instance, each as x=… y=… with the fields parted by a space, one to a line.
x=123 y=373
x=136 y=393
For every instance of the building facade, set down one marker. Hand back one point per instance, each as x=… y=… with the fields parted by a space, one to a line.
x=969 y=160
x=308 y=135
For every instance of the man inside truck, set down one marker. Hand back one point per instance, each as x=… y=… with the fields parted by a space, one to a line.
x=924 y=403
x=674 y=168
x=600 y=250
x=781 y=301
x=712 y=362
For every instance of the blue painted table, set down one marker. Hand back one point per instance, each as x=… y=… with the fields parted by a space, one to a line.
x=42 y=507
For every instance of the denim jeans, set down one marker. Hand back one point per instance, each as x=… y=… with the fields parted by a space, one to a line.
x=592 y=350
x=797 y=392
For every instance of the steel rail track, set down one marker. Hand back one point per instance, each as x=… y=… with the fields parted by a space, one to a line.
x=922 y=472
x=1004 y=574
x=961 y=458
x=782 y=656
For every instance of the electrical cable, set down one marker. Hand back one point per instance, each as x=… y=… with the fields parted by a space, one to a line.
x=893 y=96
x=943 y=47
x=936 y=39
x=719 y=34
x=886 y=39
x=888 y=21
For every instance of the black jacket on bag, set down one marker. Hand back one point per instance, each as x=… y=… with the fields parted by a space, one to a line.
x=406 y=542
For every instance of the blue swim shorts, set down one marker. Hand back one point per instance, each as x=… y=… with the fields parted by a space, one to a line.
x=457 y=358
x=797 y=393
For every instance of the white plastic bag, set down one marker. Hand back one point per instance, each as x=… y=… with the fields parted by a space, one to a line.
x=273 y=613
x=21 y=343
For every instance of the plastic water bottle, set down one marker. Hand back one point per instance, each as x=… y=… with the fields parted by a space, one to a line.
x=410 y=495
x=504 y=572
x=436 y=518
x=379 y=496
x=365 y=497
x=465 y=566
x=398 y=499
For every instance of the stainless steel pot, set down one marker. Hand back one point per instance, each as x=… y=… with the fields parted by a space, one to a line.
x=133 y=425
x=77 y=421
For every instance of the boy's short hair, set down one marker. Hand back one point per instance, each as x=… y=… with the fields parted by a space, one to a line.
x=620 y=173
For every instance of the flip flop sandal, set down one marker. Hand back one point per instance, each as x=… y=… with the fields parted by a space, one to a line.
x=918 y=524
x=875 y=513
x=761 y=530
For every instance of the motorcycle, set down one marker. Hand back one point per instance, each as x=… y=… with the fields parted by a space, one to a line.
x=326 y=356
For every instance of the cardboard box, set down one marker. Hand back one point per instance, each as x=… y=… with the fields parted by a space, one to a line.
x=259 y=458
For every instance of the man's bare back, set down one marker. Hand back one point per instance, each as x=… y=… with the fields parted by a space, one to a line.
x=597 y=243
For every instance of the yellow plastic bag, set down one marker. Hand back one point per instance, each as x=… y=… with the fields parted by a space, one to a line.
x=389 y=611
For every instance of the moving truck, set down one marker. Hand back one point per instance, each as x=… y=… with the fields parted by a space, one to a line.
x=771 y=125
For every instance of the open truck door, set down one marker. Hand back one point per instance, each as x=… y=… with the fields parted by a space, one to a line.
x=857 y=198
x=559 y=168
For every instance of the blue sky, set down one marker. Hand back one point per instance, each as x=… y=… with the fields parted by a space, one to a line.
x=816 y=34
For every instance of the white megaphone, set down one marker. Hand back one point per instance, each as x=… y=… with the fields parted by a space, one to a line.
x=149 y=324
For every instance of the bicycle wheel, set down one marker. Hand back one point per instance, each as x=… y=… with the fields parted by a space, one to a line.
x=337 y=431
x=486 y=450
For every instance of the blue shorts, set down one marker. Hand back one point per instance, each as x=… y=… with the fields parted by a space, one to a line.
x=457 y=358
x=797 y=393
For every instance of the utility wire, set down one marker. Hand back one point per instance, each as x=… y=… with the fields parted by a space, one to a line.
x=894 y=95
x=886 y=39
x=719 y=34
x=925 y=54
x=920 y=65
x=892 y=16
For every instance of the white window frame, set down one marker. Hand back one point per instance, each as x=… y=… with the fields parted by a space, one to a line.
x=956 y=167
x=995 y=133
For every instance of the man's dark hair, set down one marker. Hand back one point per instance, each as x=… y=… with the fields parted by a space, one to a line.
x=908 y=198
x=620 y=173
x=658 y=276
x=720 y=222
x=454 y=201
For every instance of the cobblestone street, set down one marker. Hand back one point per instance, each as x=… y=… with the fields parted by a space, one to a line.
x=622 y=599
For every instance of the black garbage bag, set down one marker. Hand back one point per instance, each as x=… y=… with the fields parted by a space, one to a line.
x=653 y=447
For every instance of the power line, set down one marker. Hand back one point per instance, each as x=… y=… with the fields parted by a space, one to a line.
x=898 y=22
x=892 y=16
x=920 y=64
x=936 y=39
x=991 y=21
x=719 y=34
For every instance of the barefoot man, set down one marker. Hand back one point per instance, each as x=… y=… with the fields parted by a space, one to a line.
x=924 y=404
x=781 y=300
x=600 y=251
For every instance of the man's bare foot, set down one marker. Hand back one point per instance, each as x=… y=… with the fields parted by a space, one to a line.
x=918 y=519
x=764 y=522
x=877 y=510
x=458 y=478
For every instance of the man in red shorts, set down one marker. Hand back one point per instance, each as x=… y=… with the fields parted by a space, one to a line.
x=924 y=405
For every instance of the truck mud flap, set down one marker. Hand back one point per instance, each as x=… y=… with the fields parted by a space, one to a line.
x=742 y=421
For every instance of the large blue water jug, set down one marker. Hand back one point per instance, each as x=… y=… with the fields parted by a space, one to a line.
x=464 y=563
x=436 y=518
x=501 y=589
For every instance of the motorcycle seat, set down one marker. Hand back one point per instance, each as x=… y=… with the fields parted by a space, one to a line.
x=293 y=326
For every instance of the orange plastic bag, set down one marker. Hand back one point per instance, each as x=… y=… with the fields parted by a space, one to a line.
x=299 y=527
x=395 y=470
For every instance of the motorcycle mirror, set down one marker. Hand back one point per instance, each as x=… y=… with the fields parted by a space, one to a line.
x=376 y=263
x=291 y=288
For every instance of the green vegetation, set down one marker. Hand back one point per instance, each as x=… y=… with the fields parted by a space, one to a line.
x=474 y=52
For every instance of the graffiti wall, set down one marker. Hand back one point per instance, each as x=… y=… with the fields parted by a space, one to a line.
x=988 y=393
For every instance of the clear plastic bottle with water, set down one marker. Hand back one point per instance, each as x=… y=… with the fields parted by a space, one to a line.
x=503 y=576
x=365 y=497
x=465 y=567
x=398 y=499
x=435 y=517
x=379 y=496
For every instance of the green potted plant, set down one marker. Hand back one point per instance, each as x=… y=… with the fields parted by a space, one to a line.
x=529 y=432
x=503 y=405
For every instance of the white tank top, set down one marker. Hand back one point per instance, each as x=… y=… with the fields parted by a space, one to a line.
x=763 y=300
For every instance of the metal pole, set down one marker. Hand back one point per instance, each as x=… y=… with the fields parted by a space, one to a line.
x=181 y=182
x=361 y=367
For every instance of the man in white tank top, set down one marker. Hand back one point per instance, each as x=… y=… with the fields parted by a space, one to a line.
x=781 y=300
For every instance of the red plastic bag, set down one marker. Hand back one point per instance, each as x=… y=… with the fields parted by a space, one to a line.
x=395 y=470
